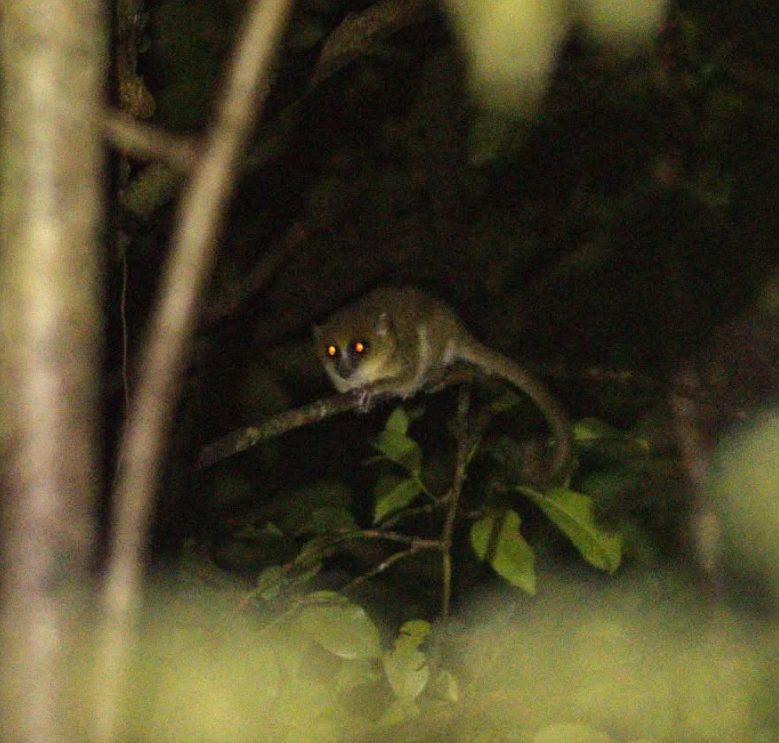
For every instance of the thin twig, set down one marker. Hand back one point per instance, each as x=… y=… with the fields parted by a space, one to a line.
x=200 y=218
x=125 y=338
x=408 y=513
x=464 y=447
x=146 y=142
x=244 y=438
x=389 y=562
x=311 y=555
x=362 y=32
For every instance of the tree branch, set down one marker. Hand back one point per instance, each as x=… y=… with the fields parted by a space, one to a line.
x=200 y=218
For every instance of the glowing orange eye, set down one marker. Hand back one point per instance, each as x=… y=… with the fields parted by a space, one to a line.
x=331 y=351
x=359 y=347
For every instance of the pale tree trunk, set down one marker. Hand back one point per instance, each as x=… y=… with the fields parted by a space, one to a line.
x=52 y=62
x=52 y=59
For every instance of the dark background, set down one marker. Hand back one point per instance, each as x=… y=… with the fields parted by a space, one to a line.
x=617 y=229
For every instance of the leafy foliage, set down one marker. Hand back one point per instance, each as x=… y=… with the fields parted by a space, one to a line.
x=339 y=627
x=496 y=539
x=324 y=669
x=495 y=528
x=394 y=493
x=572 y=512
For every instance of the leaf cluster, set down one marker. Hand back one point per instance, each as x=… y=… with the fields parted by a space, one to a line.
x=422 y=522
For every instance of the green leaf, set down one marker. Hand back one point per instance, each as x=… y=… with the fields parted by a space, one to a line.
x=593 y=435
x=400 y=449
x=496 y=539
x=296 y=508
x=446 y=687
x=393 y=493
x=398 y=712
x=573 y=514
x=417 y=630
x=307 y=574
x=329 y=519
x=394 y=443
x=270 y=581
x=312 y=552
x=406 y=666
x=398 y=422
x=407 y=670
x=589 y=429
x=344 y=630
